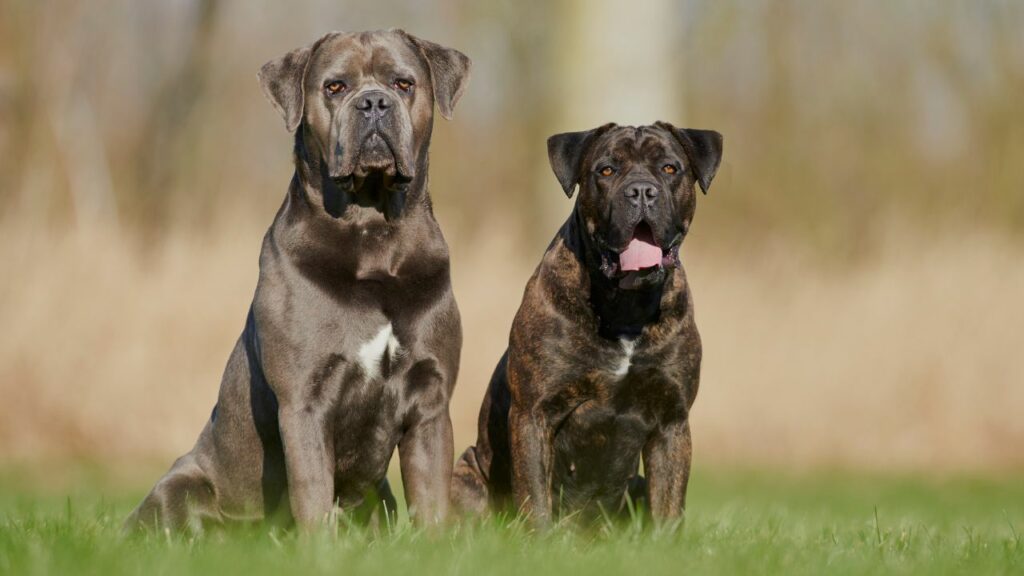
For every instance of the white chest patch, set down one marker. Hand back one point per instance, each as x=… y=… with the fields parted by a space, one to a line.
x=375 y=351
x=627 y=357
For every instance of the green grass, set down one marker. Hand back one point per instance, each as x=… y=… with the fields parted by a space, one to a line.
x=738 y=522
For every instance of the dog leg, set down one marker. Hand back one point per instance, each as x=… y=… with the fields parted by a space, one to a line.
x=425 y=454
x=309 y=466
x=667 y=458
x=386 y=502
x=470 y=493
x=531 y=465
x=636 y=492
x=379 y=508
x=183 y=500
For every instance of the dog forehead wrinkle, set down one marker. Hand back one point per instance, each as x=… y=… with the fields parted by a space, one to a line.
x=652 y=146
x=339 y=54
x=380 y=61
x=371 y=353
x=393 y=57
x=624 y=147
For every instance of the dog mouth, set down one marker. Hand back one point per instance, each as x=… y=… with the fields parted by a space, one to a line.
x=642 y=260
x=642 y=252
x=375 y=156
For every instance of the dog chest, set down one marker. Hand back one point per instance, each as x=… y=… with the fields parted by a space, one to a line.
x=624 y=361
x=375 y=355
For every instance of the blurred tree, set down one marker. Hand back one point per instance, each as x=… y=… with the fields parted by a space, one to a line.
x=611 y=65
x=167 y=139
x=836 y=116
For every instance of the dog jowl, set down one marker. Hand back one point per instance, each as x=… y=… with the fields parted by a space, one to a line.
x=603 y=361
x=351 y=346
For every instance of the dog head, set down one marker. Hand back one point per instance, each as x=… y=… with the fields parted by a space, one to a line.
x=637 y=192
x=365 y=101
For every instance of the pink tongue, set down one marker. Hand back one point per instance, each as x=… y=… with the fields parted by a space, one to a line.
x=638 y=255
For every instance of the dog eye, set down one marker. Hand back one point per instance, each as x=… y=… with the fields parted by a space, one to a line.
x=606 y=171
x=403 y=84
x=335 y=87
x=669 y=169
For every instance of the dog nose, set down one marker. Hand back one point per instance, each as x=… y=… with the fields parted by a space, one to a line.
x=373 y=102
x=638 y=192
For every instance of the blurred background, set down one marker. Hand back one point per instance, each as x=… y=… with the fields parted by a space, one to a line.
x=858 y=265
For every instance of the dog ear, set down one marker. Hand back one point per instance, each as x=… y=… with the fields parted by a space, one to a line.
x=565 y=152
x=282 y=81
x=449 y=72
x=704 y=150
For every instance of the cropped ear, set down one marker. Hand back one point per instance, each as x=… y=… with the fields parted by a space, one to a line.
x=449 y=72
x=565 y=152
x=282 y=81
x=704 y=150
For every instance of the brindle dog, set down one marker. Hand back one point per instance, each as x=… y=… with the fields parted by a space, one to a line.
x=604 y=356
x=352 y=342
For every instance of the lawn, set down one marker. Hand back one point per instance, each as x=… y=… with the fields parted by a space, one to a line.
x=738 y=522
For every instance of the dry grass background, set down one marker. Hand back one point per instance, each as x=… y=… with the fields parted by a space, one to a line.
x=907 y=360
x=858 y=265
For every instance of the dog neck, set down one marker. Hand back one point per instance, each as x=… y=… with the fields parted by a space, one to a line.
x=329 y=233
x=621 y=313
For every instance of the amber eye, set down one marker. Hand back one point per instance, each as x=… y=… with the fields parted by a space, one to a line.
x=669 y=169
x=403 y=85
x=335 y=87
x=606 y=171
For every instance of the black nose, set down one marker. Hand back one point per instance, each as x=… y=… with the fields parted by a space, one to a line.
x=638 y=192
x=373 y=102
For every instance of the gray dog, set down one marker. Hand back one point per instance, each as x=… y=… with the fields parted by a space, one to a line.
x=351 y=346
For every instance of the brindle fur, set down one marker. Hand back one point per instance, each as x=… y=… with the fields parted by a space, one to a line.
x=562 y=428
